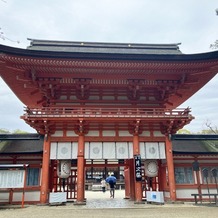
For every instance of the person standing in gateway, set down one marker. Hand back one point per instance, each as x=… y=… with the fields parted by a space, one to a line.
x=111 y=180
x=112 y=188
x=103 y=185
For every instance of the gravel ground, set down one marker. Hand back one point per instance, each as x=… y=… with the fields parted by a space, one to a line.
x=100 y=205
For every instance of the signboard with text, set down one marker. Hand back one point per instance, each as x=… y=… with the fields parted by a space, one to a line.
x=138 y=173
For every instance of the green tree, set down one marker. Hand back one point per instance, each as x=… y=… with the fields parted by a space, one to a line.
x=18 y=131
x=4 y=131
x=208 y=132
x=183 y=131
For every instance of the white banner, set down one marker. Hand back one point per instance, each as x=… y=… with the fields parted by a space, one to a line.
x=96 y=150
x=152 y=150
x=63 y=150
x=12 y=178
x=109 y=150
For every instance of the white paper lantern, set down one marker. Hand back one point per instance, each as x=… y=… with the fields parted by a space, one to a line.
x=151 y=168
x=64 y=169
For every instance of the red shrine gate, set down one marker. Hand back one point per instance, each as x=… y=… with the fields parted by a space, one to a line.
x=106 y=101
x=109 y=145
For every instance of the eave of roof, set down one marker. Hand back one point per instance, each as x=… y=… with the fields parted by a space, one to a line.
x=108 y=56
x=26 y=136
x=32 y=153
x=194 y=137
x=178 y=153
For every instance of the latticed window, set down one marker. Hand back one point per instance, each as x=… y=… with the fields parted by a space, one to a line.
x=184 y=175
x=32 y=177
x=209 y=175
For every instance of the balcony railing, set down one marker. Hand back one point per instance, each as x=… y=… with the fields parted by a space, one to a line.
x=107 y=112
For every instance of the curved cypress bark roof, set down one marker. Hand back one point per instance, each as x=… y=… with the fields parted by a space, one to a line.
x=195 y=144
x=106 y=51
x=21 y=143
x=182 y=144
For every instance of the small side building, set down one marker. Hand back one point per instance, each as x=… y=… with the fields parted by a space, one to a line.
x=195 y=165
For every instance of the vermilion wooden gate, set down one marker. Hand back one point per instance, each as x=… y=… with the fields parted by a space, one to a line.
x=149 y=184
x=68 y=185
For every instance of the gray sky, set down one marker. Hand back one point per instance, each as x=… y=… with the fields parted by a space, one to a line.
x=191 y=22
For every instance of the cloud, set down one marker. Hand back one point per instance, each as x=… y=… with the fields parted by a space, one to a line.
x=192 y=23
x=204 y=106
x=10 y=110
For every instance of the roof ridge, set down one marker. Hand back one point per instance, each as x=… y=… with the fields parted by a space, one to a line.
x=87 y=43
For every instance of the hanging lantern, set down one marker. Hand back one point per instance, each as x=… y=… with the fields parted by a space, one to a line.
x=64 y=168
x=151 y=168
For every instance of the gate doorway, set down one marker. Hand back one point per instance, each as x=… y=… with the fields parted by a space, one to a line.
x=96 y=170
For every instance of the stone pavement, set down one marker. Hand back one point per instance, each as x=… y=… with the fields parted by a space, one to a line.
x=99 y=204
x=99 y=199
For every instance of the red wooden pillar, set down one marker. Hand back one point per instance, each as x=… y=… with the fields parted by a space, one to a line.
x=127 y=180
x=162 y=177
x=197 y=172
x=138 y=184
x=51 y=173
x=81 y=171
x=170 y=167
x=132 y=179
x=45 y=171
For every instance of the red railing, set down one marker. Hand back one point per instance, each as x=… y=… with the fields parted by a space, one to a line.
x=105 y=112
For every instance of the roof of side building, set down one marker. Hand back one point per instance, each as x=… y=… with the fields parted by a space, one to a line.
x=182 y=144
x=21 y=143
x=195 y=144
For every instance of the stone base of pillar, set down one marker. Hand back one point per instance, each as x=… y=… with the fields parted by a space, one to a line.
x=42 y=204
x=139 y=202
x=80 y=203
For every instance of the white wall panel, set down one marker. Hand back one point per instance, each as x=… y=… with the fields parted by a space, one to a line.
x=124 y=133
x=71 y=133
x=64 y=150
x=109 y=150
x=185 y=193
x=96 y=150
x=152 y=150
x=158 y=133
x=58 y=133
x=145 y=133
x=93 y=133
x=108 y=133
x=122 y=150
x=53 y=150
x=142 y=150
x=87 y=150
x=29 y=196
x=74 y=150
x=162 y=151
x=130 y=149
